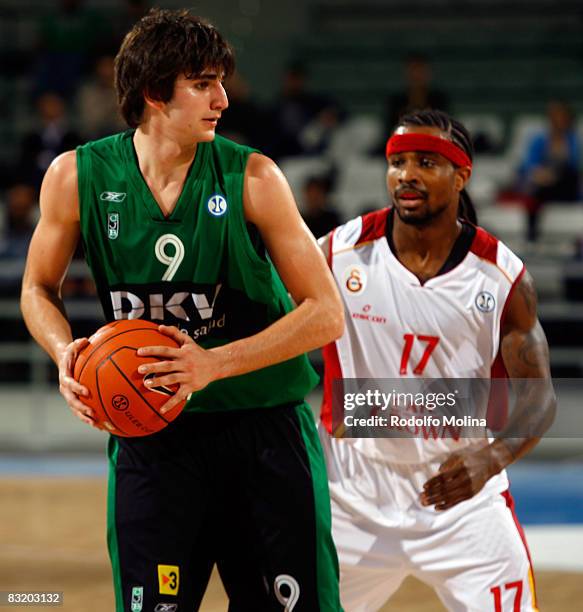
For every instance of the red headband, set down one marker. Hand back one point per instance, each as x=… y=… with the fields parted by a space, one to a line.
x=398 y=143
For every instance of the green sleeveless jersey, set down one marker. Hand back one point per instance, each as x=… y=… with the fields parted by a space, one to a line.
x=198 y=268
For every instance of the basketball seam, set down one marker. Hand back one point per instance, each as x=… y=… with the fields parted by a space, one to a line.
x=98 y=387
x=132 y=384
x=98 y=346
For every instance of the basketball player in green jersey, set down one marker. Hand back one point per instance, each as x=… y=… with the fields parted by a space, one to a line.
x=176 y=226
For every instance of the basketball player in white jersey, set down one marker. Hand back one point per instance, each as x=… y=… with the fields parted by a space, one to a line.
x=427 y=294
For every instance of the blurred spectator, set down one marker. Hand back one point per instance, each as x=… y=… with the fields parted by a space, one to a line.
x=243 y=121
x=67 y=39
x=123 y=21
x=550 y=170
x=52 y=137
x=315 y=137
x=320 y=215
x=97 y=104
x=302 y=120
x=20 y=219
x=418 y=93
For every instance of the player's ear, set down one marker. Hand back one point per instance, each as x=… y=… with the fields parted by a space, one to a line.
x=462 y=176
x=153 y=103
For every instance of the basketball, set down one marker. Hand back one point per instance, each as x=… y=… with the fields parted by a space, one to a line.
x=108 y=367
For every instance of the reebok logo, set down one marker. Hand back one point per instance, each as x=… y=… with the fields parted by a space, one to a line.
x=166 y=607
x=112 y=196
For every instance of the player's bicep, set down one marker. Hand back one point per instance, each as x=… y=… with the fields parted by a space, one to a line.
x=49 y=255
x=270 y=205
x=57 y=232
x=525 y=350
x=526 y=354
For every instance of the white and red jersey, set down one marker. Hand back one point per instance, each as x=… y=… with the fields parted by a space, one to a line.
x=397 y=326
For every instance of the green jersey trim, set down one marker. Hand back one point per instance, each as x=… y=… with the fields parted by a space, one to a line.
x=327 y=570
x=112 y=453
x=139 y=182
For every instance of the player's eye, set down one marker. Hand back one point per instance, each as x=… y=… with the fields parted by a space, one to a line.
x=202 y=85
x=395 y=162
x=426 y=162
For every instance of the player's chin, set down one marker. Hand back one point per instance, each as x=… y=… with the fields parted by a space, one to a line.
x=207 y=135
x=416 y=216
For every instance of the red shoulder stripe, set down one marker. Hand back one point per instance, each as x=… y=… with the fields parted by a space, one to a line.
x=374 y=225
x=485 y=245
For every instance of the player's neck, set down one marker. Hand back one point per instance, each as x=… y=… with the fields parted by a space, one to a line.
x=160 y=156
x=423 y=250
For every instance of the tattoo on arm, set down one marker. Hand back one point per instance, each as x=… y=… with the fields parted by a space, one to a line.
x=526 y=355
x=533 y=351
x=528 y=293
x=524 y=346
x=525 y=352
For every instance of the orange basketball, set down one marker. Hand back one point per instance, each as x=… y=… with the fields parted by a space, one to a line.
x=108 y=367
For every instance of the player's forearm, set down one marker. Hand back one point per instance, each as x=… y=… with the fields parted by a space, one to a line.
x=532 y=415
x=526 y=357
x=311 y=325
x=46 y=320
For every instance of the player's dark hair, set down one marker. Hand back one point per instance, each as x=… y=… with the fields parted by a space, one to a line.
x=160 y=47
x=460 y=136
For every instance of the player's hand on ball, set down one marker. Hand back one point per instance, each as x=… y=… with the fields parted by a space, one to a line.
x=460 y=477
x=70 y=389
x=190 y=366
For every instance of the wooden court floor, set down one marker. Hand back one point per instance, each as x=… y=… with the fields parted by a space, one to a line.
x=52 y=537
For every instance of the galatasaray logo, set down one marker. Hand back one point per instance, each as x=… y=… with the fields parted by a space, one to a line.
x=354 y=280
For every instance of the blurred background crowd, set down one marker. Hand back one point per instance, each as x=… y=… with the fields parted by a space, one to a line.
x=320 y=85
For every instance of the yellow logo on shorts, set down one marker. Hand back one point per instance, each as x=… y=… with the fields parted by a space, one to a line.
x=168 y=579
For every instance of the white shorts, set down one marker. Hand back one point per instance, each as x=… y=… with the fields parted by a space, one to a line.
x=474 y=555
